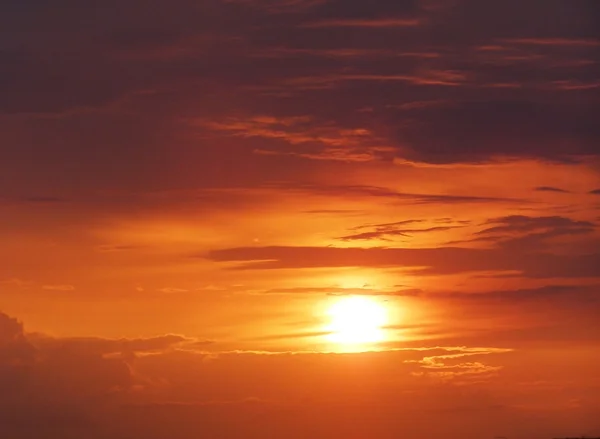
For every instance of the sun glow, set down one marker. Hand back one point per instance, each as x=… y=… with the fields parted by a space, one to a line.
x=353 y=282
x=356 y=320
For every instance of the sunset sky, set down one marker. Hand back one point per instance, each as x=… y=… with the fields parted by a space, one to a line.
x=299 y=219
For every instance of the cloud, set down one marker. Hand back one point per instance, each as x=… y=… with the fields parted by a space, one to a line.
x=77 y=369
x=340 y=291
x=451 y=366
x=501 y=129
x=61 y=369
x=33 y=200
x=102 y=347
x=344 y=212
x=388 y=231
x=360 y=154
x=17 y=356
x=16 y=282
x=595 y=192
x=43 y=199
x=553 y=42
x=550 y=189
x=521 y=223
x=56 y=387
x=494 y=130
x=519 y=230
x=420 y=77
x=573 y=85
x=376 y=23
x=362 y=191
x=421 y=261
x=74 y=392
x=118 y=247
x=59 y=287
x=277 y=7
x=342 y=10
x=584 y=295
x=245 y=62
x=172 y=290
x=311 y=139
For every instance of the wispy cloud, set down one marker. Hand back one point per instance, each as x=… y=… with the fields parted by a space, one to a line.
x=451 y=366
x=375 y=192
x=551 y=189
x=64 y=287
x=339 y=291
x=391 y=230
x=420 y=261
x=577 y=42
x=535 y=231
x=366 y=23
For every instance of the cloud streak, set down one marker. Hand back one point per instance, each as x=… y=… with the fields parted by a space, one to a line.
x=422 y=261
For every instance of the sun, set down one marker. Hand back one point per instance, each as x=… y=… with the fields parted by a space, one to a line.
x=356 y=320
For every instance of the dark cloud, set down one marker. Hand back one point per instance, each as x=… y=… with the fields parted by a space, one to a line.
x=521 y=223
x=194 y=393
x=34 y=200
x=389 y=231
x=362 y=22
x=520 y=231
x=17 y=356
x=340 y=9
x=422 y=261
x=545 y=313
x=55 y=387
x=360 y=191
x=569 y=42
x=104 y=54
x=42 y=199
x=475 y=131
x=581 y=295
x=64 y=369
x=48 y=393
x=550 y=189
x=538 y=19
x=102 y=346
x=339 y=291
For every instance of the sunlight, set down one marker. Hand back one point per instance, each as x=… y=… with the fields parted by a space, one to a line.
x=353 y=282
x=356 y=320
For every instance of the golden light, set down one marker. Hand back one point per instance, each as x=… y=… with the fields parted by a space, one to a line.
x=353 y=282
x=356 y=320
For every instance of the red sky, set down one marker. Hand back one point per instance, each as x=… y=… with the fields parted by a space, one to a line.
x=187 y=187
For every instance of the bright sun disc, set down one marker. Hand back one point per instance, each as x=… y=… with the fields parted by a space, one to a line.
x=356 y=320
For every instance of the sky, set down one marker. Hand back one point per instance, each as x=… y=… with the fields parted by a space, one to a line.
x=203 y=201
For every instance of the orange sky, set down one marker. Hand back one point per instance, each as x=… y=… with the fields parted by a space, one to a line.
x=187 y=191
